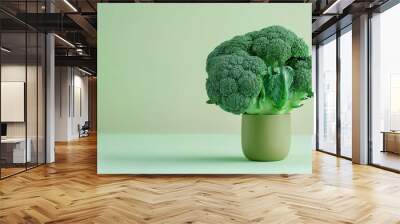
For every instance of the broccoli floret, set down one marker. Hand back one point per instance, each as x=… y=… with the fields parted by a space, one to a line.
x=261 y=72
x=272 y=50
x=234 y=80
x=236 y=44
x=302 y=78
x=299 y=49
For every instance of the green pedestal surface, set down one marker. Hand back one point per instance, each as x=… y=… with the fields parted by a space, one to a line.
x=193 y=154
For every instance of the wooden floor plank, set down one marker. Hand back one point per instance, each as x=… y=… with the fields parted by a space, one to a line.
x=70 y=191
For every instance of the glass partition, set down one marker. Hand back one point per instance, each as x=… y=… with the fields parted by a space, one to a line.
x=385 y=90
x=32 y=95
x=346 y=93
x=22 y=100
x=327 y=96
x=14 y=155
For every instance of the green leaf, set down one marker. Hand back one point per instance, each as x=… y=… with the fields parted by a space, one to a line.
x=277 y=85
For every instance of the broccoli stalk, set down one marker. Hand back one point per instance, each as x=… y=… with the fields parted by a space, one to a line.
x=262 y=72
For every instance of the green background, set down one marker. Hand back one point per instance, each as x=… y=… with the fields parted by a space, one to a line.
x=151 y=84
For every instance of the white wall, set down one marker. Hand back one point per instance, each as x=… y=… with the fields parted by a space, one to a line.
x=16 y=72
x=71 y=102
x=62 y=82
x=34 y=126
x=80 y=109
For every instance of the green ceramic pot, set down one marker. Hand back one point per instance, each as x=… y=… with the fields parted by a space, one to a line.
x=266 y=137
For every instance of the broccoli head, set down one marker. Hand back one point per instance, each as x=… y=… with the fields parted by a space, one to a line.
x=261 y=72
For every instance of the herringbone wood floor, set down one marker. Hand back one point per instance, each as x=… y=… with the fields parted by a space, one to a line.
x=69 y=191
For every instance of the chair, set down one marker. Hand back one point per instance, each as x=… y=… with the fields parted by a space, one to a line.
x=84 y=129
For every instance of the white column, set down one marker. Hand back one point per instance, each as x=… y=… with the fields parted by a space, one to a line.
x=50 y=100
x=50 y=92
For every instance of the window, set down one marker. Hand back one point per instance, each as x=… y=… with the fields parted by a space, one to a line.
x=346 y=93
x=327 y=96
x=385 y=89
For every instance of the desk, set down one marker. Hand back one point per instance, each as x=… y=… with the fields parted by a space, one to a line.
x=391 y=141
x=17 y=150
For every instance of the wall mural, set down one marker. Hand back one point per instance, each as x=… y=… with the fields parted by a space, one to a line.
x=162 y=65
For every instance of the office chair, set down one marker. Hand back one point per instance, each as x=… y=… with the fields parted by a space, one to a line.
x=84 y=130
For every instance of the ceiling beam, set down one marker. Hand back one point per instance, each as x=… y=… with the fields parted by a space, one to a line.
x=83 y=61
x=337 y=7
x=86 y=27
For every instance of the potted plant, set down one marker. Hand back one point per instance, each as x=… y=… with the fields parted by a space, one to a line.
x=262 y=75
